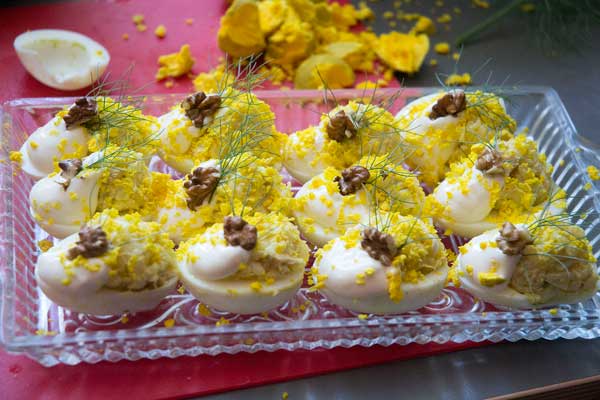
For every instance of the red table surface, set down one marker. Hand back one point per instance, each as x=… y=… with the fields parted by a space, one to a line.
x=106 y=22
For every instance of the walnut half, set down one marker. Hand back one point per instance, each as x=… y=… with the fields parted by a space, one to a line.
x=380 y=246
x=84 y=109
x=199 y=107
x=512 y=240
x=341 y=127
x=352 y=179
x=490 y=162
x=449 y=104
x=238 y=232
x=92 y=243
x=199 y=185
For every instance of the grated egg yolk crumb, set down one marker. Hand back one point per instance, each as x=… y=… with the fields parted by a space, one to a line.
x=593 y=172
x=175 y=64
x=160 y=31
x=457 y=79
x=169 y=323
x=442 y=48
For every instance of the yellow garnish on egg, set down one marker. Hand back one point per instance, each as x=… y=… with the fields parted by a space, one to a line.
x=490 y=279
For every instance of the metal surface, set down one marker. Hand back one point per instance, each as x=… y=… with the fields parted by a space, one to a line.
x=501 y=368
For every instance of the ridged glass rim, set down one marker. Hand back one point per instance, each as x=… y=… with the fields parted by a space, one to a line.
x=493 y=319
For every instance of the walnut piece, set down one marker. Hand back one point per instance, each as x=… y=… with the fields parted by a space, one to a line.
x=92 y=243
x=199 y=107
x=341 y=127
x=490 y=162
x=238 y=232
x=199 y=185
x=449 y=104
x=82 y=111
x=380 y=246
x=512 y=240
x=69 y=169
x=352 y=179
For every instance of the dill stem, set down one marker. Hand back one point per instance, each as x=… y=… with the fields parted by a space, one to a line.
x=482 y=26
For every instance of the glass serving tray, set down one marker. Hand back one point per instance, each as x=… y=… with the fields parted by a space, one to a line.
x=33 y=325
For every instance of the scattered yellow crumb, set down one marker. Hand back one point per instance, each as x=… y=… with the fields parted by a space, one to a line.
x=43 y=332
x=561 y=163
x=362 y=317
x=455 y=56
x=138 y=19
x=457 y=79
x=169 y=323
x=457 y=10
x=553 y=311
x=433 y=62
x=45 y=245
x=249 y=341
x=284 y=395
x=181 y=290
x=189 y=21
x=423 y=25
x=16 y=157
x=175 y=64
x=444 y=18
x=141 y=27
x=204 y=310
x=593 y=172
x=169 y=84
x=484 y=314
x=124 y=319
x=442 y=48
x=481 y=4
x=125 y=36
x=587 y=186
x=160 y=31
x=222 y=321
x=578 y=150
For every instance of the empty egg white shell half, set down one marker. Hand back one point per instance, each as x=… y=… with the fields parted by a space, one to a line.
x=61 y=59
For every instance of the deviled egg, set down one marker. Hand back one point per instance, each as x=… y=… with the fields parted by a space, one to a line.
x=244 y=265
x=546 y=262
x=114 y=264
x=397 y=267
x=333 y=201
x=217 y=188
x=111 y=179
x=441 y=127
x=208 y=126
x=505 y=180
x=342 y=137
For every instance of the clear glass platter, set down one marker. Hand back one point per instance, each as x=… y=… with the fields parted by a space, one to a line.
x=33 y=325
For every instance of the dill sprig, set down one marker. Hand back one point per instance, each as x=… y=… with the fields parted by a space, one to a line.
x=557 y=24
x=239 y=146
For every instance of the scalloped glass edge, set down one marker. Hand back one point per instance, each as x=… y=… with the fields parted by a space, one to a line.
x=91 y=347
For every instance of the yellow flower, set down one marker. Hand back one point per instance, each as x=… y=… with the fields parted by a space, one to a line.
x=175 y=64
x=401 y=51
